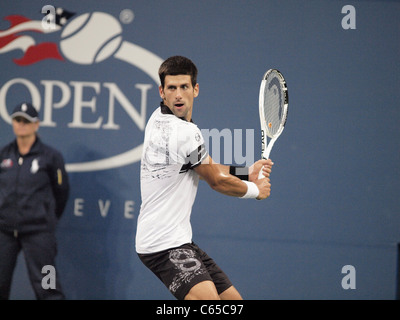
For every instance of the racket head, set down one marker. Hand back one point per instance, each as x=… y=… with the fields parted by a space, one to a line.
x=273 y=106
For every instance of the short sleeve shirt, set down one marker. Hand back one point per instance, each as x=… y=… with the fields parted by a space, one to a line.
x=172 y=148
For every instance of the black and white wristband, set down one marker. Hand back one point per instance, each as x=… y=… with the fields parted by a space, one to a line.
x=240 y=172
x=252 y=190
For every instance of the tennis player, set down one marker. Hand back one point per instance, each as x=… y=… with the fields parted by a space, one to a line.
x=173 y=160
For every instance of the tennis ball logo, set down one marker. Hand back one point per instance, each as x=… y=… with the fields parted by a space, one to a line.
x=91 y=38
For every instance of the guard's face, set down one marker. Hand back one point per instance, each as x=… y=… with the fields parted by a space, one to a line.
x=178 y=94
x=24 y=128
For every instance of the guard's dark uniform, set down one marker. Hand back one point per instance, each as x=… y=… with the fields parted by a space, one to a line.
x=34 y=190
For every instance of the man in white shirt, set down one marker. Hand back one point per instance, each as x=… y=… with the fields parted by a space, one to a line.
x=173 y=160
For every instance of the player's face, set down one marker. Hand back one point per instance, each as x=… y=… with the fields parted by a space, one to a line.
x=178 y=94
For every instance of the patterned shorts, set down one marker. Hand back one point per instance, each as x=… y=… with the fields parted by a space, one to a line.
x=183 y=267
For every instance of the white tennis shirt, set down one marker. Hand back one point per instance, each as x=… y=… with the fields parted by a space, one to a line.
x=172 y=147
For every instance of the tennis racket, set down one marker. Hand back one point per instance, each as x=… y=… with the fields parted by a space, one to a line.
x=273 y=107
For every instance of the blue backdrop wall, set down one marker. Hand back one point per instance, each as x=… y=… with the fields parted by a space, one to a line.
x=335 y=182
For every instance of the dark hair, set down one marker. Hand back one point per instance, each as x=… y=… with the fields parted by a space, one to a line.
x=177 y=65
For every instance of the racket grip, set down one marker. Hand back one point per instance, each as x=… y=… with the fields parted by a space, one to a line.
x=260 y=174
x=265 y=157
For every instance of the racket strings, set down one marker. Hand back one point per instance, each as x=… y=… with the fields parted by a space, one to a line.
x=273 y=105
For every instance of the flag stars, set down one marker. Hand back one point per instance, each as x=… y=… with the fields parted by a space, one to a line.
x=63 y=21
x=62 y=16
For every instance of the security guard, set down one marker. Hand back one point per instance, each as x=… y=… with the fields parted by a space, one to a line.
x=34 y=190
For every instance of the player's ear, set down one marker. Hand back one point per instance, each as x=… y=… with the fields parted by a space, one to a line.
x=161 y=91
x=196 y=90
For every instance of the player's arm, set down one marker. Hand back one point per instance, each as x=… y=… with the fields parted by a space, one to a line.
x=219 y=178
x=253 y=171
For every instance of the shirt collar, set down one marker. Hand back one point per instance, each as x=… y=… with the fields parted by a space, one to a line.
x=166 y=110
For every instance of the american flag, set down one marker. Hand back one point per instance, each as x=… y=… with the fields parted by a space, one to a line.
x=13 y=38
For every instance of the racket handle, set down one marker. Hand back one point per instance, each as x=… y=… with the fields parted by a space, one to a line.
x=265 y=155
x=260 y=174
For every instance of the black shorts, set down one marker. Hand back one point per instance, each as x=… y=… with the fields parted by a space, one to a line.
x=183 y=267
